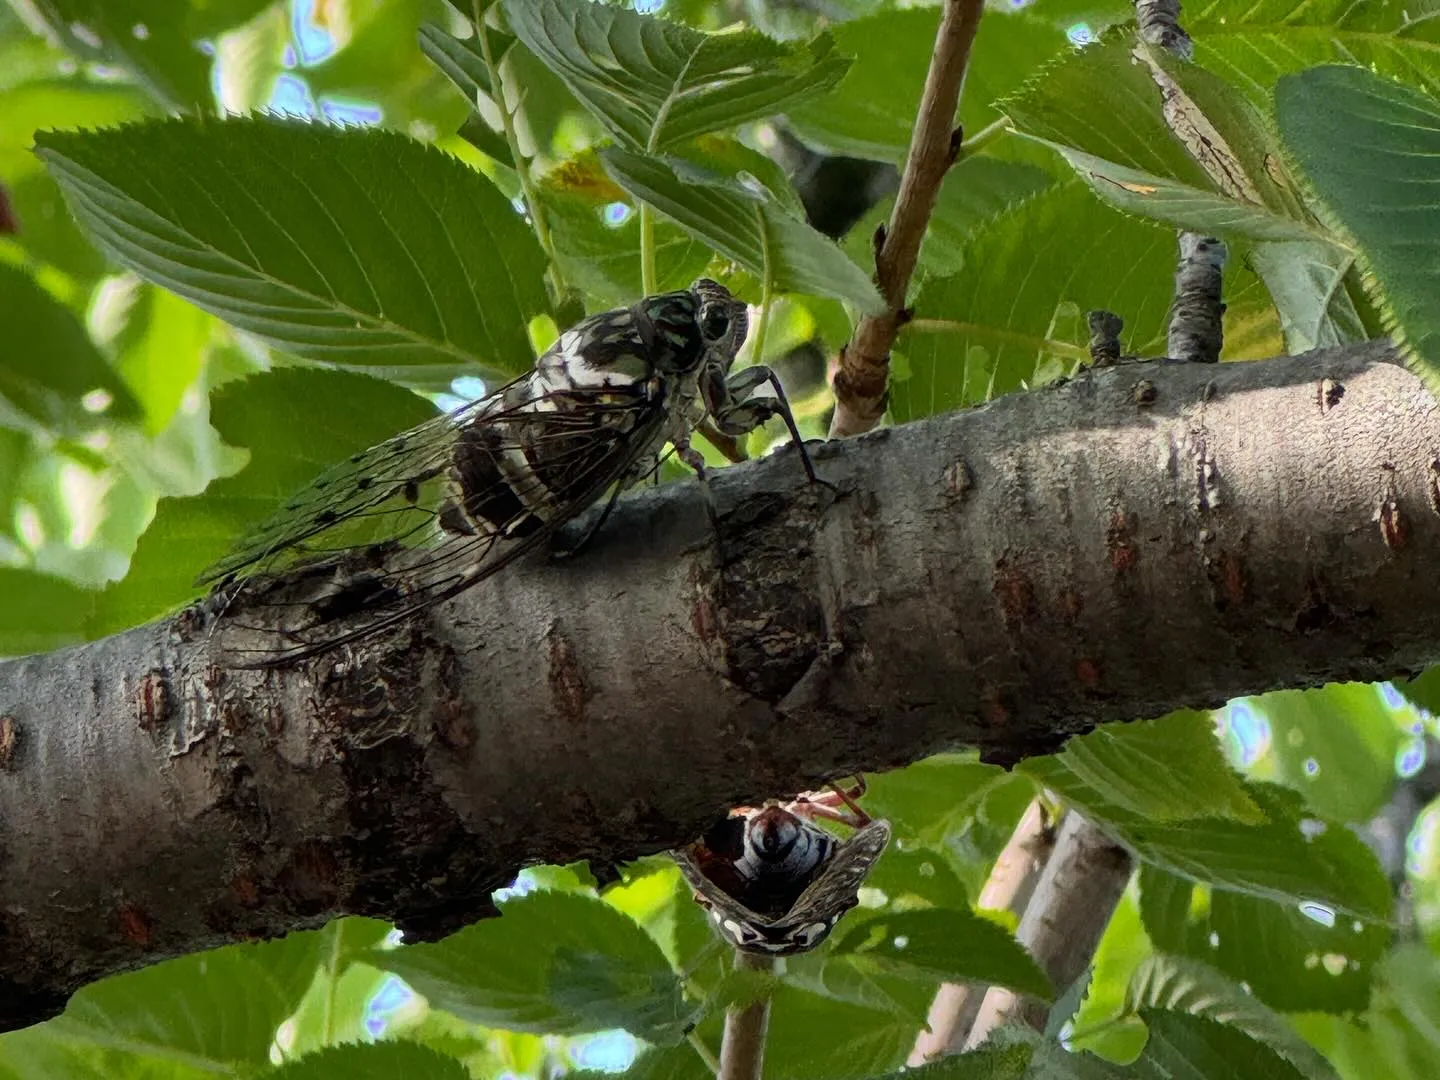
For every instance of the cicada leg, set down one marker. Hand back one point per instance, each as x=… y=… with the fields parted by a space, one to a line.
x=837 y=804
x=736 y=411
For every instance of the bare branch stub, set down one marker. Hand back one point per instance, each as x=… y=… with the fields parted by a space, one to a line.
x=863 y=371
x=1105 y=327
x=1159 y=24
x=1197 y=318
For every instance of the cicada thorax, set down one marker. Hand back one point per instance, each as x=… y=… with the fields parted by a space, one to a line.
x=610 y=388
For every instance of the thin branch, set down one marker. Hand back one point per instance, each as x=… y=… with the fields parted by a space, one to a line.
x=1159 y=24
x=1009 y=888
x=1077 y=893
x=1197 y=328
x=742 y=1054
x=864 y=366
x=512 y=140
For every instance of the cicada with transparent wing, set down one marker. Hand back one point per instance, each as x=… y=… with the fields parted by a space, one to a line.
x=774 y=882
x=436 y=509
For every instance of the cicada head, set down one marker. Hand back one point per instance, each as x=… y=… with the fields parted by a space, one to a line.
x=779 y=885
x=723 y=321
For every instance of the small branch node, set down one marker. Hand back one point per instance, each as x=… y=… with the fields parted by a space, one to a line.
x=1105 y=327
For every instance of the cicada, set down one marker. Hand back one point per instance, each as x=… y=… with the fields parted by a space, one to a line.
x=774 y=882
x=434 y=510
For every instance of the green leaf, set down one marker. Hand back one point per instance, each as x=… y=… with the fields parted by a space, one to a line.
x=377 y=1061
x=553 y=962
x=1165 y=903
x=1194 y=1047
x=1102 y=111
x=1170 y=769
x=1178 y=985
x=596 y=233
x=937 y=943
x=1315 y=292
x=1398 y=1037
x=351 y=247
x=1379 y=193
x=296 y=422
x=654 y=83
x=1423 y=691
x=345 y=997
x=1336 y=745
x=160 y=348
x=40 y=613
x=150 y=39
x=1292 y=957
x=208 y=1013
x=1016 y=313
x=872 y=112
x=461 y=61
x=919 y=872
x=47 y=231
x=661 y=1063
x=1252 y=44
x=758 y=233
x=381 y=67
x=929 y=799
x=818 y=1036
x=1292 y=858
x=1099 y=101
x=986 y=1063
x=1190 y=206
x=976 y=188
x=49 y=365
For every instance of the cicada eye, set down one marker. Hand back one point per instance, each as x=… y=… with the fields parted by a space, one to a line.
x=714 y=321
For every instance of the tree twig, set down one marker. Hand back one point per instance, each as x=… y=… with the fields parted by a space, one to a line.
x=863 y=371
x=1009 y=887
x=1197 y=328
x=1078 y=890
x=742 y=1054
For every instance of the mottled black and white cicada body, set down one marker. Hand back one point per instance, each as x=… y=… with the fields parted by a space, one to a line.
x=773 y=881
x=434 y=510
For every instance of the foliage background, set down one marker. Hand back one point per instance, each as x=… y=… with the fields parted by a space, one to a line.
x=1285 y=914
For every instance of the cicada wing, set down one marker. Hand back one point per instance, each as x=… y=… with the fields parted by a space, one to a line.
x=835 y=890
x=433 y=511
x=387 y=492
x=734 y=922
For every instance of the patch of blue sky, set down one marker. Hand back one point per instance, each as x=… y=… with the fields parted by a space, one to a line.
x=291 y=95
x=606 y=1051
x=393 y=995
x=314 y=44
x=342 y=111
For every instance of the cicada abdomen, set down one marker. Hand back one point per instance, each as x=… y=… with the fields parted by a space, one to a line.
x=774 y=882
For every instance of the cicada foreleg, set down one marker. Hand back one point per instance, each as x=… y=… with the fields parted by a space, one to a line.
x=836 y=804
x=736 y=411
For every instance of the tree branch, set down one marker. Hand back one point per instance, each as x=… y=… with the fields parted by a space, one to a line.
x=742 y=1054
x=864 y=366
x=1078 y=891
x=1008 y=888
x=1001 y=578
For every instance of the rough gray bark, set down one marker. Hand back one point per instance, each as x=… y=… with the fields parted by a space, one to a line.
x=1144 y=537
